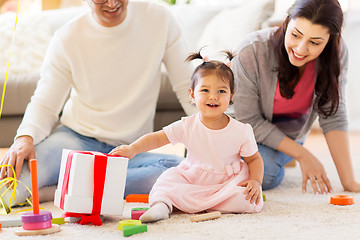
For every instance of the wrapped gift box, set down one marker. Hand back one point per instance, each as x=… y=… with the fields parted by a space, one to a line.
x=80 y=191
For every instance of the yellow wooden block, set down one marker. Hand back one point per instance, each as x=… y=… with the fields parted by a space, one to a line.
x=58 y=221
x=128 y=223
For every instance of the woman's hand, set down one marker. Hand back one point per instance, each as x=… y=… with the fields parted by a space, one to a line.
x=22 y=149
x=311 y=168
x=127 y=151
x=313 y=171
x=253 y=190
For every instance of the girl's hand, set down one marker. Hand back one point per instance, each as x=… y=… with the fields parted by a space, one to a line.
x=124 y=151
x=313 y=171
x=253 y=190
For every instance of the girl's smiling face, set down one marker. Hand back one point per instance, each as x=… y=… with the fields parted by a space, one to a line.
x=212 y=96
x=304 y=41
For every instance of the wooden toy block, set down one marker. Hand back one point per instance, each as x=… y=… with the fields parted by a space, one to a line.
x=11 y=223
x=21 y=232
x=131 y=230
x=0 y=226
x=264 y=197
x=206 y=216
x=136 y=214
x=58 y=221
x=140 y=209
x=128 y=223
x=143 y=198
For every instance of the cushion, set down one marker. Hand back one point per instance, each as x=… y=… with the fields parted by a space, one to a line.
x=192 y=20
x=226 y=30
x=31 y=39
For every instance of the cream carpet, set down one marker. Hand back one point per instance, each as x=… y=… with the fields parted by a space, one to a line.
x=288 y=213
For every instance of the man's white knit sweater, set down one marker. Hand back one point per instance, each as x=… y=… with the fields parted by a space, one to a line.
x=113 y=76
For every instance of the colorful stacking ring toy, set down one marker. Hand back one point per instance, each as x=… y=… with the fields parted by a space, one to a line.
x=37 y=222
x=33 y=221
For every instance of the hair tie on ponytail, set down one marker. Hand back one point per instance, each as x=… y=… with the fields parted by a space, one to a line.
x=229 y=56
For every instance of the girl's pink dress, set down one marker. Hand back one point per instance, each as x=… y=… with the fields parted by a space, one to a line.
x=207 y=179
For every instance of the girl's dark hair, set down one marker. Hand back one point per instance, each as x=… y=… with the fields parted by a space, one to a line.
x=209 y=67
x=326 y=13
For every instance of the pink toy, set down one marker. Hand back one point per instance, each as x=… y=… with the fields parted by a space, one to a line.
x=33 y=221
x=136 y=214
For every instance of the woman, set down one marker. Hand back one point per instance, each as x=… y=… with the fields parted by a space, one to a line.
x=288 y=76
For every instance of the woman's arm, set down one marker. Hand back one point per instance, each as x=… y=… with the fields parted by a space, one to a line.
x=311 y=167
x=255 y=84
x=338 y=143
x=143 y=144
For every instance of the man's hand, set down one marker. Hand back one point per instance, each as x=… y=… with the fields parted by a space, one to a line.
x=22 y=149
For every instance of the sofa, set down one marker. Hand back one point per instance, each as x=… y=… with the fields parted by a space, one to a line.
x=34 y=31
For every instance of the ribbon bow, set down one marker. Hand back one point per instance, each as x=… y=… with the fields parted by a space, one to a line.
x=84 y=218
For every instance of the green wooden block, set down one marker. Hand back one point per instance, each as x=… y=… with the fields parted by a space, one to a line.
x=140 y=209
x=58 y=221
x=134 y=229
x=264 y=197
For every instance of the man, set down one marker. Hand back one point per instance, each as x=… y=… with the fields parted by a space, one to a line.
x=109 y=60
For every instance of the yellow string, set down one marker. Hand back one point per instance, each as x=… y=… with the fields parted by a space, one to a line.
x=28 y=209
x=7 y=69
x=13 y=185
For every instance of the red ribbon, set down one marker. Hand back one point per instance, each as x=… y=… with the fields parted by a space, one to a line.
x=84 y=218
x=100 y=164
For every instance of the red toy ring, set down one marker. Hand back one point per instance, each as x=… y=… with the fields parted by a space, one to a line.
x=342 y=200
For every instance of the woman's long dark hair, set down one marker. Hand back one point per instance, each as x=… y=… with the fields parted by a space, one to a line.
x=326 y=13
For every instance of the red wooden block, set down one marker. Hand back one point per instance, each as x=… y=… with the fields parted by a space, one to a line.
x=136 y=214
